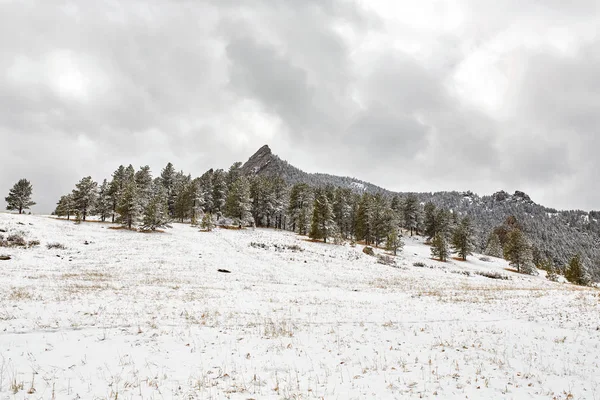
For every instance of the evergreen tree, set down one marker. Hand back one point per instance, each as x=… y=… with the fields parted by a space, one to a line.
x=429 y=220
x=364 y=219
x=382 y=217
x=219 y=194
x=238 y=203
x=233 y=174
x=411 y=213
x=116 y=189
x=103 y=205
x=129 y=205
x=206 y=191
x=144 y=182
x=342 y=210
x=182 y=195
x=300 y=207
x=576 y=272
x=64 y=207
x=207 y=222
x=84 y=196
x=322 y=225
x=439 y=247
x=19 y=197
x=167 y=179
x=518 y=252
x=494 y=247
x=394 y=241
x=156 y=211
x=462 y=239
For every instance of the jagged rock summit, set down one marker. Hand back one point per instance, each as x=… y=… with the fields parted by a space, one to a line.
x=260 y=161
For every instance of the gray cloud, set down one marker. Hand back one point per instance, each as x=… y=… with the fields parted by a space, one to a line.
x=203 y=84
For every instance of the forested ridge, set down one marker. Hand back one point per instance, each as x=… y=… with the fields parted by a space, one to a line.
x=269 y=192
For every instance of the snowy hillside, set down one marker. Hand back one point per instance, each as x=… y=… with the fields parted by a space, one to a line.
x=125 y=315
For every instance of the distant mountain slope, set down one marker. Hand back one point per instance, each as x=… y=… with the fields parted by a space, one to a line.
x=264 y=162
x=558 y=235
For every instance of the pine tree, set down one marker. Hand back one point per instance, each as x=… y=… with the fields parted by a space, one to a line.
x=206 y=191
x=494 y=247
x=394 y=241
x=181 y=200
x=19 y=197
x=322 y=225
x=167 y=179
x=219 y=194
x=84 y=196
x=411 y=213
x=238 y=203
x=129 y=205
x=462 y=239
x=518 y=252
x=429 y=220
x=116 y=189
x=207 y=222
x=576 y=272
x=300 y=207
x=439 y=247
x=156 y=212
x=64 y=207
x=103 y=205
x=144 y=182
x=364 y=219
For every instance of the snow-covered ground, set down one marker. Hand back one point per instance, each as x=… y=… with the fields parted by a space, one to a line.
x=132 y=315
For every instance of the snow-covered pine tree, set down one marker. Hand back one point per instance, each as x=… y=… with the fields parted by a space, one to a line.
x=411 y=213
x=518 y=251
x=494 y=247
x=144 y=182
x=207 y=222
x=64 y=207
x=576 y=272
x=84 y=196
x=181 y=197
x=239 y=204
x=196 y=200
x=233 y=174
x=364 y=219
x=429 y=220
x=167 y=179
x=19 y=197
x=219 y=194
x=439 y=247
x=462 y=239
x=129 y=208
x=116 y=189
x=103 y=206
x=156 y=211
x=394 y=241
x=323 y=225
x=300 y=207
x=206 y=191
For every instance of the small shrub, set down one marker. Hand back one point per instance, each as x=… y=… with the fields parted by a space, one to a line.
x=419 y=264
x=33 y=243
x=58 y=246
x=16 y=239
x=369 y=251
x=492 y=275
x=460 y=272
x=259 y=245
x=294 y=247
x=386 y=260
x=485 y=259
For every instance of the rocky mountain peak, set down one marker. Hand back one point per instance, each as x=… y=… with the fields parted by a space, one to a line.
x=259 y=161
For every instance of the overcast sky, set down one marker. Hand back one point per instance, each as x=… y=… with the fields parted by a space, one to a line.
x=412 y=96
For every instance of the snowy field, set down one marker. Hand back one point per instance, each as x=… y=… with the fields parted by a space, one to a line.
x=147 y=316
